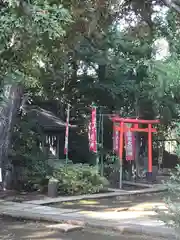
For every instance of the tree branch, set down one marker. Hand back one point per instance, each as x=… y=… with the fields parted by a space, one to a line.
x=175 y=4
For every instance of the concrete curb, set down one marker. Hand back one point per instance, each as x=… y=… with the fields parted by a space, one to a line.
x=138 y=230
x=161 y=232
x=118 y=193
x=148 y=231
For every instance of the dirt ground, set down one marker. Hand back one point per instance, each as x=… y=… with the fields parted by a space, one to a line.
x=16 y=196
x=11 y=229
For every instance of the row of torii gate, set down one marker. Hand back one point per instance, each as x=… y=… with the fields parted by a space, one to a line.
x=120 y=124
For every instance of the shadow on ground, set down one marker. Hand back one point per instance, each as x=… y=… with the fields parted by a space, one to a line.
x=11 y=229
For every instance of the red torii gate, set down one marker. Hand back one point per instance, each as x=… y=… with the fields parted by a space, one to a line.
x=135 y=128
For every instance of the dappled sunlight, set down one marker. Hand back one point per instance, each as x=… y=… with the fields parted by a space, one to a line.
x=68 y=203
x=115 y=205
x=82 y=202
x=117 y=215
x=123 y=201
x=115 y=209
x=89 y=202
x=148 y=206
x=100 y=207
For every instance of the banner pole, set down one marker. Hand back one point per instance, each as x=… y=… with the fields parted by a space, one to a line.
x=96 y=141
x=67 y=135
x=102 y=143
x=121 y=154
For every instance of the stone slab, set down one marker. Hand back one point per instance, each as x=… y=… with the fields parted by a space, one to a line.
x=148 y=231
x=136 y=229
x=117 y=193
x=65 y=227
x=130 y=183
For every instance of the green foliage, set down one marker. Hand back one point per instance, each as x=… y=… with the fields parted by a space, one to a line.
x=36 y=174
x=26 y=139
x=172 y=197
x=177 y=132
x=26 y=29
x=79 y=179
x=27 y=152
x=77 y=52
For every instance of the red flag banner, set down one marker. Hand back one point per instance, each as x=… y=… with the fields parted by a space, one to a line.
x=129 y=144
x=92 y=128
x=115 y=140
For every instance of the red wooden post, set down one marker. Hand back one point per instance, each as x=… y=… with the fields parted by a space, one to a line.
x=121 y=141
x=149 y=148
x=121 y=152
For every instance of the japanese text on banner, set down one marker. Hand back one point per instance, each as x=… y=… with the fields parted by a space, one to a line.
x=115 y=140
x=93 y=137
x=130 y=145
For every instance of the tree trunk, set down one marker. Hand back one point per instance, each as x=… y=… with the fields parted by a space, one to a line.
x=10 y=105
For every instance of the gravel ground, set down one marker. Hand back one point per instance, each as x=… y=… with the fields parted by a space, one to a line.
x=11 y=229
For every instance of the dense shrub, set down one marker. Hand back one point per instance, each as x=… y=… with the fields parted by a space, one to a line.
x=172 y=197
x=79 y=179
x=37 y=174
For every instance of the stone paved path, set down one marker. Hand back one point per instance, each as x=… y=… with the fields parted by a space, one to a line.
x=137 y=221
x=127 y=214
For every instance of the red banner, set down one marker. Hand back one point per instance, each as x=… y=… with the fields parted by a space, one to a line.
x=115 y=140
x=93 y=136
x=130 y=145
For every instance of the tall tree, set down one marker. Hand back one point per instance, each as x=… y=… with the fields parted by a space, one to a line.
x=24 y=30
